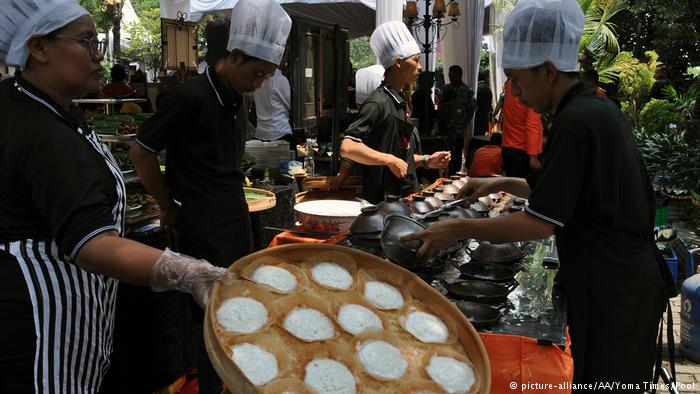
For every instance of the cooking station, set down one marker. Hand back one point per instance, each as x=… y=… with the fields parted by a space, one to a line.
x=502 y=288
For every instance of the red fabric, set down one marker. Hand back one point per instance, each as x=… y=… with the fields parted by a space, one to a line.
x=287 y=237
x=522 y=127
x=487 y=161
x=518 y=363
x=117 y=90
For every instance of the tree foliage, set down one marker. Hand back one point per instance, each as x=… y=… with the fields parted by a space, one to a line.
x=361 y=54
x=672 y=28
x=145 y=45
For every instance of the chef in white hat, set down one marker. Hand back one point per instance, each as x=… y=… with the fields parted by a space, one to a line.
x=593 y=193
x=62 y=204
x=382 y=136
x=200 y=124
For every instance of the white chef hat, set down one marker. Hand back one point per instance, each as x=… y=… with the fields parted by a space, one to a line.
x=367 y=80
x=260 y=29
x=22 y=19
x=540 y=30
x=392 y=40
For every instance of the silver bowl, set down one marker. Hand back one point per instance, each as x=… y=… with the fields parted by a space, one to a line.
x=400 y=252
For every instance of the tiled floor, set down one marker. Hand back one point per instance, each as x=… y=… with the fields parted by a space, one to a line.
x=687 y=372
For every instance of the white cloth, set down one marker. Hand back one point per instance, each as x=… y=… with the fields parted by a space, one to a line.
x=541 y=30
x=392 y=40
x=22 y=19
x=260 y=29
x=367 y=80
x=272 y=105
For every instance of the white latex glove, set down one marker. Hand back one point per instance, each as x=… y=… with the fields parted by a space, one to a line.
x=174 y=271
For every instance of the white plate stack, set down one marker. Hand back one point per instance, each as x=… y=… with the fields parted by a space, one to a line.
x=268 y=154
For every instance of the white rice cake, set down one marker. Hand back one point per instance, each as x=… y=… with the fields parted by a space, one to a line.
x=381 y=360
x=258 y=365
x=242 y=315
x=275 y=277
x=331 y=275
x=329 y=377
x=355 y=319
x=452 y=375
x=309 y=325
x=383 y=295
x=426 y=327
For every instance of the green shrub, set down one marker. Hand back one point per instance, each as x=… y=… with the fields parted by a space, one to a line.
x=657 y=115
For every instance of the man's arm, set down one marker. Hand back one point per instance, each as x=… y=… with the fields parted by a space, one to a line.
x=148 y=169
x=363 y=154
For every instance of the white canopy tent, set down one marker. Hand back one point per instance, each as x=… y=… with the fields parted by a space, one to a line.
x=358 y=16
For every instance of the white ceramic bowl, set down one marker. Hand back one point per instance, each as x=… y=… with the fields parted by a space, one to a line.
x=327 y=216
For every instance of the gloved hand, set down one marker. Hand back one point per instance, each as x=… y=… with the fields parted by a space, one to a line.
x=174 y=271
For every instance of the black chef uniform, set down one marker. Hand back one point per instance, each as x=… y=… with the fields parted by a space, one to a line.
x=595 y=189
x=383 y=124
x=60 y=187
x=196 y=124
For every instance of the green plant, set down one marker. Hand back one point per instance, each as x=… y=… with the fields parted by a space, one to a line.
x=657 y=115
x=145 y=45
x=361 y=54
x=669 y=156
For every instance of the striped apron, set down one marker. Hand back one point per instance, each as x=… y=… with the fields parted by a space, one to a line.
x=73 y=308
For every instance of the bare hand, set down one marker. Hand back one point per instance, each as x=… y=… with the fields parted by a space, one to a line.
x=168 y=216
x=398 y=167
x=479 y=187
x=439 y=160
x=439 y=236
x=535 y=164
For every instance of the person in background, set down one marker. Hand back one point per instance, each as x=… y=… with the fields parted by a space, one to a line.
x=382 y=137
x=457 y=108
x=590 y=78
x=367 y=80
x=484 y=108
x=522 y=136
x=422 y=102
x=200 y=125
x=117 y=87
x=594 y=193
x=498 y=111
x=660 y=83
x=487 y=160
x=272 y=105
x=62 y=209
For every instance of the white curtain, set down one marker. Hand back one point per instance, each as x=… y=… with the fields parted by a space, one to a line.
x=462 y=46
x=388 y=10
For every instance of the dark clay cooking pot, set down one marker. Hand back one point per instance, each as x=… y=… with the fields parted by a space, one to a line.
x=420 y=206
x=502 y=253
x=392 y=205
x=370 y=222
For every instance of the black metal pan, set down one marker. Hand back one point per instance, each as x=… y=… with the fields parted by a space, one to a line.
x=480 y=315
x=487 y=271
x=480 y=291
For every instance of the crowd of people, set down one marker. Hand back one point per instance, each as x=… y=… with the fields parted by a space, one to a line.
x=62 y=195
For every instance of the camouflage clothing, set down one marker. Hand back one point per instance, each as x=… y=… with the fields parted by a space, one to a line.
x=458 y=106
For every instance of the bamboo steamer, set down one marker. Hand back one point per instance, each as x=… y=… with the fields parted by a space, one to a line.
x=261 y=204
x=218 y=345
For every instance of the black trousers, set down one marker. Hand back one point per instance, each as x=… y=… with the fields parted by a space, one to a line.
x=214 y=226
x=455 y=141
x=516 y=162
x=17 y=337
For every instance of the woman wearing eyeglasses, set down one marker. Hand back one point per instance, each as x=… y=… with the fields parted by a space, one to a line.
x=62 y=204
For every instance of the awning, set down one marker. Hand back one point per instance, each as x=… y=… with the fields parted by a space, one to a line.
x=358 y=16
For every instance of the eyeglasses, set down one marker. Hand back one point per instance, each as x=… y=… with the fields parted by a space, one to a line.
x=91 y=44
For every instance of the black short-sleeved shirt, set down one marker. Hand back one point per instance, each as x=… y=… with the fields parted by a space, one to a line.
x=383 y=125
x=196 y=123
x=53 y=183
x=594 y=187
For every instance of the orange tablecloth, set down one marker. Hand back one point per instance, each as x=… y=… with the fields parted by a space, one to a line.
x=287 y=237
